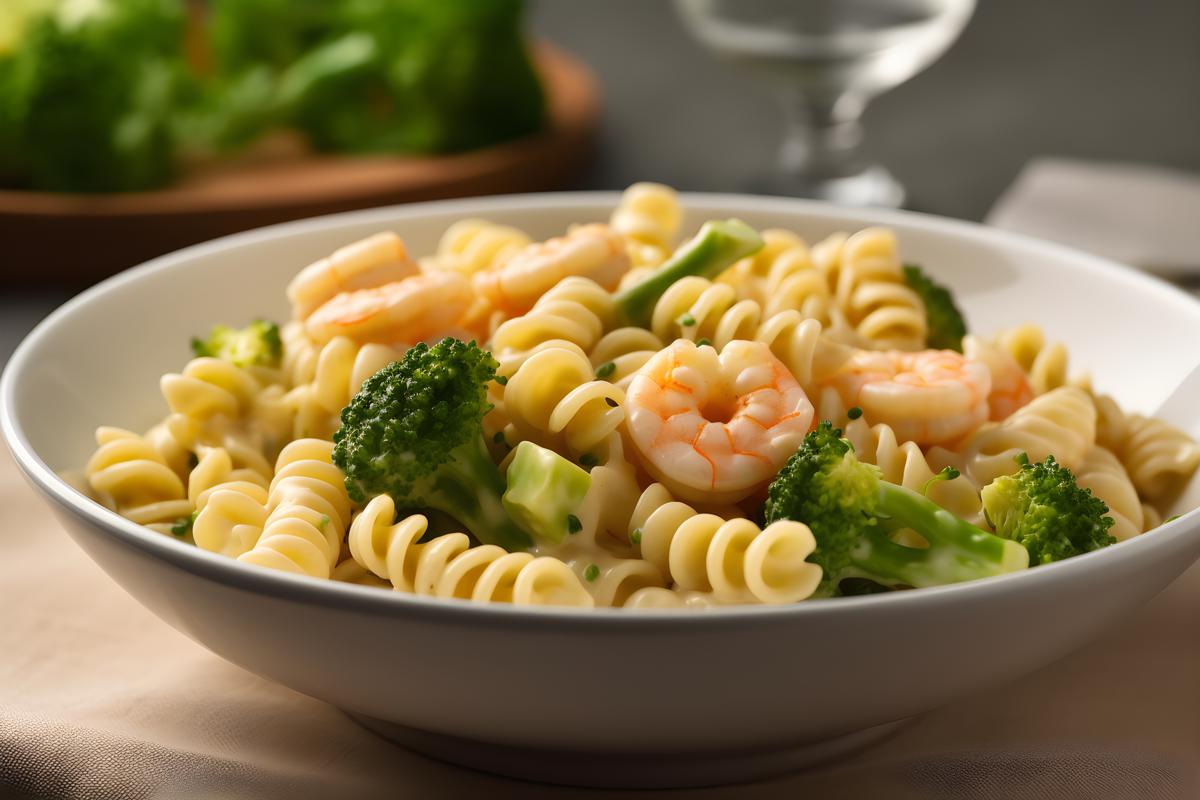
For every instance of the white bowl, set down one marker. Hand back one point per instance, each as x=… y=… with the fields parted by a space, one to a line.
x=603 y=697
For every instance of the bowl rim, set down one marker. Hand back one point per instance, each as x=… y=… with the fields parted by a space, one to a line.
x=346 y=596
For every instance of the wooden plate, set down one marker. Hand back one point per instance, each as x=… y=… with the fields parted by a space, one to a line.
x=73 y=238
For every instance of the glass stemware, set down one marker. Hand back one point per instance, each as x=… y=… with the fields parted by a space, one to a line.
x=828 y=58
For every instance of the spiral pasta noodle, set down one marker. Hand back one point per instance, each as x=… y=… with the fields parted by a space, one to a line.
x=230 y=517
x=1158 y=456
x=781 y=277
x=301 y=526
x=209 y=387
x=215 y=468
x=733 y=559
x=474 y=245
x=217 y=404
x=1103 y=473
x=554 y=400
x=449 y=566
x=339 y=369
x=699 y=310
x=864 y=272
x=132 y=477
x=1061 y=423
x=905 y=464
x=309 y=510
x=1044 y=363
x=623 y=351
x=648 y=218
x=577 y=310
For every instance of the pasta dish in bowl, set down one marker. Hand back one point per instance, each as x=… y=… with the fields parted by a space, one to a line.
x=459 y=411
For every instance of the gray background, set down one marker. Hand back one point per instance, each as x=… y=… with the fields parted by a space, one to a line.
x=1104 y=79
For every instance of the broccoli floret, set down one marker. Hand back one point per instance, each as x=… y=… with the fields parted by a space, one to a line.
x=257 y=344
x=852 y=511
x=415 y=431
x=1044 y=509
x=380 y=75
x=718 y=244
x=946 y=324
x=545 y=491
x=88 y=96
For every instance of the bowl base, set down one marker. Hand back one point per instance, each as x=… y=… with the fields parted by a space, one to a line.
x=624 y=770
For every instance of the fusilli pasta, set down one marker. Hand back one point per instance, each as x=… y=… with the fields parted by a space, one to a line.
x=134 y=479
x=864 y=272
x=449 y=566
x=648 y=217
x=734 y=560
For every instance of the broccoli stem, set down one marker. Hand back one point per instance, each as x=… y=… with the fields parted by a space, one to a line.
x=718 y=245
x=469 y=487
x=958 y=550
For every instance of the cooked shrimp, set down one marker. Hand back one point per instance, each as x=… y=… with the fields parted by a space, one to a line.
x=365 y=264
x=927 y=397
x=404 y=312
x=1010 y=386
x=592 y=251
x=715 y=429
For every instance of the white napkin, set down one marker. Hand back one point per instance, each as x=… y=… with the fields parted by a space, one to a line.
x=1148 y=217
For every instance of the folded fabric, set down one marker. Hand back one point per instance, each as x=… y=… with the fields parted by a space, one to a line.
x=1139 y=215
x=99 y=699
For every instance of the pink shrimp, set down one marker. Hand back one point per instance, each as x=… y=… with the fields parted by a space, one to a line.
x=927 y=397
x=715 y=429
x=374 y=261
x=592 y=251
x=1010 y=386
x=405 y=312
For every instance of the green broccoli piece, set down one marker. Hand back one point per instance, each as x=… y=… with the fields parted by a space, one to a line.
x=258 y=344
x=88 y=96
x=544 y=492
x=1046 y=511
x=946 y=324
x=247 y=34
x=717 y=245
x=852 y=512
x=415 y=431
x=379 y=75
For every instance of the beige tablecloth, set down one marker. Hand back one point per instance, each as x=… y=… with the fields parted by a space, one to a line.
x=100 y=699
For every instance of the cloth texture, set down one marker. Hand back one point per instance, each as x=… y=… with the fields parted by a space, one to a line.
x=1139 y=215
x=99 y=699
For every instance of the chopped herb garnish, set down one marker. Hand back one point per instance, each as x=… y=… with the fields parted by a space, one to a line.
x=573 y=524
x=606 y=369
x=686 y=320
x=183 y=526
x=324 y=522
x=502 y=380
x=636 y=536
x=588 y=460
x=854 y=413
x=591 y=573
x=701 y=342
x=1171 y=519
x=947 y=474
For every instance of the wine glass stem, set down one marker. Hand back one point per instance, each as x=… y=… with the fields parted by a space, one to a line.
x=822 y=137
